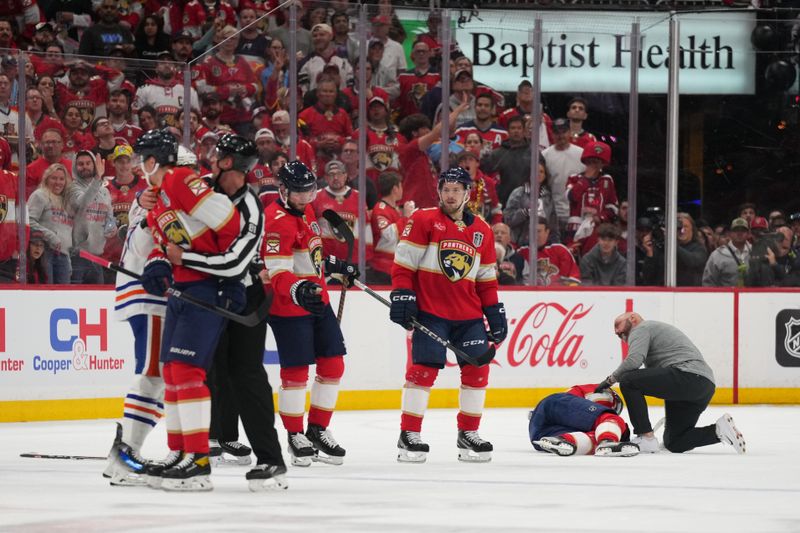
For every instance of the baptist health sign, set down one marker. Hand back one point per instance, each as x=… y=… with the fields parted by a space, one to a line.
x=590 y=51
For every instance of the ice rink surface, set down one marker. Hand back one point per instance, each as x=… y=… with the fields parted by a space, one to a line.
x=710 y=489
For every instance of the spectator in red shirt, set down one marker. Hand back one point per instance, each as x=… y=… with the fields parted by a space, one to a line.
x=75 y=137
x=50 y=137
x=119 y=108
x=326 y=117
x=491 y=134
x=383 y=140
x=416 y=82
x=524 y=108
x=280 y=127
x=577 y=113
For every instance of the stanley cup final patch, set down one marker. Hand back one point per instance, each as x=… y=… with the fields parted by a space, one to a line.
x=456 y=259
x=477 y=239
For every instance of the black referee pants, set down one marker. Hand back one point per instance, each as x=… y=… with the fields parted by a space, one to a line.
x=685 y=396
x=240 y=386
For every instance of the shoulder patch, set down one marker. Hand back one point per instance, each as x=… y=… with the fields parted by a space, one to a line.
x=407 y=229
x=197 y=185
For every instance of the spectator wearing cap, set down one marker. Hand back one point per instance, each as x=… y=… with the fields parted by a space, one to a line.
x=107 y=32
x=232 y=79
x=343 y=199
x=562 y=160
x=592 y=195
x=327 y=124
x=351 y=93
x=124 y=186
x=253 y=44
x=727 y=265
x=181 y=47
x=512 y=161
x=35 y=260
x=379 y=75
x=419 y=178
x=48 y=214
x=516 y=211
x=9 y=240
x=577 y=113
x=758 y=227
x=604 y=265
x=416 y=82
x=86 y=90
x=491 y=134
x=198 y=16
x=119 y=108
x=44 y=34
x=281 y=32
x=324 y=54
x=50 y=136
x=90 y=203
x=394 y=57
x=260 y=178
x=462 y=89
x=150 y=38
x=165 y=92
x=280 y=127
x=462 y=62
x=383 y=139
x=523 y=109
x=483 y=194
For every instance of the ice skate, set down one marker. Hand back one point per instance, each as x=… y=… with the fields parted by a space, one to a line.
x=155 y=469
x=729 y=434
x=232 y=453
x=112 y=453
x=326 y=449
x=646 y=445
x=410 y=448
x=557 y=445
x=610 y=448
x=301 y=449
x=472 y=448
x=128 y=467
x=191 y=474
x=266 y=477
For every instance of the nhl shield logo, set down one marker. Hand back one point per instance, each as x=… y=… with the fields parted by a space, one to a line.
x=3 y=207
x=792 y=339
x=456 y=259
x=173 y=229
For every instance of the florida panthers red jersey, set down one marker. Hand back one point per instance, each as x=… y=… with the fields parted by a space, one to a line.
x=320 y=121
x=598 y=194
x=190 y=214
x=122 y=197
x=346 y=206
x=387 y=223
x=292 y=250
x=9 y=243
x=261 y=178
x=450 y=265
x=197 y=13
x=413 y=87
x=217 y=76
x=91 y=99
x=381 y=152
x=491 y=138
x=555 y=265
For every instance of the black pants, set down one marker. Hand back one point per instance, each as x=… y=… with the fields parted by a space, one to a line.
x=240 y=387
x=685 y=396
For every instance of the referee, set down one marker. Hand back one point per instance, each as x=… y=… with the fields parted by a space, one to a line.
x=675 y=371
x=238 y=361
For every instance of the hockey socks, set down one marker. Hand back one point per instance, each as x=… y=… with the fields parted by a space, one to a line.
x=172 y=418
x=142 y=410
x=325 y=390
x=193 y=402
x=472 y=396
x=292 y=397
x=416 y=391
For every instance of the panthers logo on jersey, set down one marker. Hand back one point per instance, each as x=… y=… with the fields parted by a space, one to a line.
x=456 y=259
x=3 y=207
x=546 y=271
x=173 y=229
x=315 y=251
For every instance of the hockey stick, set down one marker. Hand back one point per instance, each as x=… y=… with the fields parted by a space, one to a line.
x=34 y=455
x=487 y=355
x=250 y=320
x=343 y=229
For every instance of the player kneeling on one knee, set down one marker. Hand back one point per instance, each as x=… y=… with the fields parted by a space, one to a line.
x=444 y=279
x=581 y=422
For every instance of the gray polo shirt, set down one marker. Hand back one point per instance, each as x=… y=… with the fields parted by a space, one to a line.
x=660 y=345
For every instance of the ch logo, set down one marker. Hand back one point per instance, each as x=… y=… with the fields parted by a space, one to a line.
x=787 y=337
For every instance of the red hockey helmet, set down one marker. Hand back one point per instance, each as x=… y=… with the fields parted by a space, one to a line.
x=597 y=149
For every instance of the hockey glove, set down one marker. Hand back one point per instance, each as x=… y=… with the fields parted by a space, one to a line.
x=232 y=295
x=404 y=307
x=498 y=326
x=308 y=295
x=605 y=384
x=347 y=271
x=157 y=277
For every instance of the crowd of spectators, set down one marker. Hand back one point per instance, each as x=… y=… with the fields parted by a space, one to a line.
x=100 y=72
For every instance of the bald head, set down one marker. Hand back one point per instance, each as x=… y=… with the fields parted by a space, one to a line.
x=624 y=323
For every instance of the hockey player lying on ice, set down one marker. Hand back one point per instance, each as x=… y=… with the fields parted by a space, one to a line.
x=581 y=422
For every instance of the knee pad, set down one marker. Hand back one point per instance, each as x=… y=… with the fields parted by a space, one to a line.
x=186 y=376
x=474 y=376
x=330 y=368
x=421 y=375
x=294 y=376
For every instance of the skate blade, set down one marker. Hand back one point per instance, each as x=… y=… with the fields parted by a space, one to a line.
x=468 y=456
x=327 y=459
x=154 y=482
x=624 y=451
x=562 y=449
x=301 y=461
x=194 y=484
x=273 y=484
x=130 y=480
x=231 y=460
x=405 y=456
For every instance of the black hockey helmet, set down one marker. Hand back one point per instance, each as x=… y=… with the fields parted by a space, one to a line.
x=160 y=144
x=296 y=177
x=243 y=151
x=455 y=175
